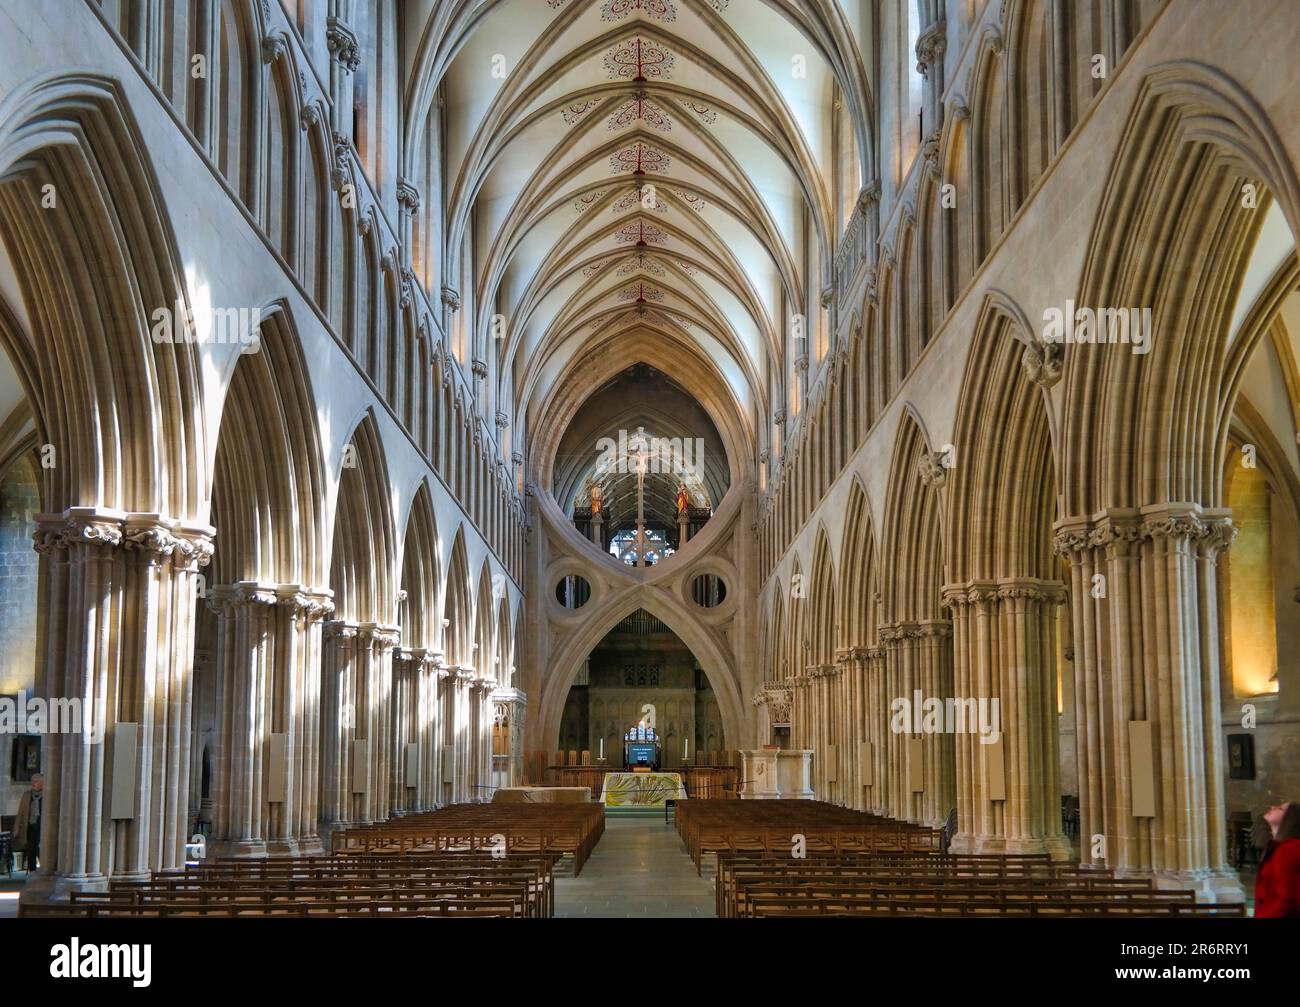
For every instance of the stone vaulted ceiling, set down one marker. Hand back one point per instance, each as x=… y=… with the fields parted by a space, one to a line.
x=646 y=173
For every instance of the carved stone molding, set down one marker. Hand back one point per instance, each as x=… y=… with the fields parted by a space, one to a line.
x=274 y=46
x=931 y=469
x=408 y=196
x=1118 y=530
x=342 y=44
x=1043 y=362
x=930 y=45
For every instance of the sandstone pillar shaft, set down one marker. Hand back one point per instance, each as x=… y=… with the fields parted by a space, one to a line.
x=1144 y=604
x=118 y=598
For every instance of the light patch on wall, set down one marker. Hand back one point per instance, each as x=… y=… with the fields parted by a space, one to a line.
x=1251 y=612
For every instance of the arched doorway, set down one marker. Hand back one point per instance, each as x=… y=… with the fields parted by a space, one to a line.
x=641 y=672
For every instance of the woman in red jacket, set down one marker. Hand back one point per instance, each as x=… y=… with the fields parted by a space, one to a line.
x=1277 y=888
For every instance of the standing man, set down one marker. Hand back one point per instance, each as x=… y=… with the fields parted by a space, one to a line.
x=27 y=824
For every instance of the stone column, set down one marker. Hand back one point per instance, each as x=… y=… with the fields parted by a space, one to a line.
x=243 y=717
x=374 y=718
x=460 y=726
x=444 y=747
x=405 y=730
x=117 y=597
x=919 y=668
x=487 y=717
x=512 y=704
x=267 y=646
x=876 y=720
x=338 y=720
x=429 y=735
x=931 y=45
x=1009 y=789
x=1144 y=603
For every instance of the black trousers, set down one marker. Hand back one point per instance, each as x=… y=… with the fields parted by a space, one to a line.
x=32 y=853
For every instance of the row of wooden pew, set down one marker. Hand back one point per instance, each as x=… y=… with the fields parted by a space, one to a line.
x=469 y=860
x=451 y=884
x=567 y=830
x=752 y=885
x=775 y=826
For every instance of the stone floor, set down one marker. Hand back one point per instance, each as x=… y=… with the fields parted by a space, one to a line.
x=639 y=868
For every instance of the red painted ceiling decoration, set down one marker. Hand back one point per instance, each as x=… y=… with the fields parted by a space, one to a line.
x=573 y=113
x=640 y=261
x=635 y=198
x=639 y=60
x=616 y=10
x=641 y=233
x=640 y=292
x=639 y=107
x=640 y=159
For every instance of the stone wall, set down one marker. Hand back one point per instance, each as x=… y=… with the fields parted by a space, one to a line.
x=19 y=503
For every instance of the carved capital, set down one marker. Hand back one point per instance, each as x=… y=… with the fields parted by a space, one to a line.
x=342 y=44
x=408 y=196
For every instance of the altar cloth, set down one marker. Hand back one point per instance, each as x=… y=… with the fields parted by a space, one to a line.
x=646 y=790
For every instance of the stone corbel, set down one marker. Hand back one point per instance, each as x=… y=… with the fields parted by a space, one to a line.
x=451 y=298
x=1042 y=362
x=930 y=45
x=408 y=196
x=869 y=195
x=932 y=470
x=274 y=46
x=342 y=44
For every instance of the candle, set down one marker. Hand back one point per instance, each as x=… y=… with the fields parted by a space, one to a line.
x=602 y=748
x=686 y=749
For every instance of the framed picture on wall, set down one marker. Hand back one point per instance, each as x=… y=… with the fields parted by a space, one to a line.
x=1241 y=756
x=26 y=760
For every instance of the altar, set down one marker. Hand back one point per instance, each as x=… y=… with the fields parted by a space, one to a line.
x=642 y=790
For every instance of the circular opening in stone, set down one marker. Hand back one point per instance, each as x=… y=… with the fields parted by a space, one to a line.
x=708 y=590
x=572 y=591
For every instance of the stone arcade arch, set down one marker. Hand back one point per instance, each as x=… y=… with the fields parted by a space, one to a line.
x=1144 y=444
x=690 y=629
x=259 y=696
x=125 y=533
x=916 y=635
x=1004 y=588
x=356 y=688
x=417 y=719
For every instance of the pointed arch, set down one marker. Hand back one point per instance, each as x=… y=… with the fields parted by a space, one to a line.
x=823 y=629
x=268 y=494
x=421 y=574
x=456 y=612
x=123 y=410
x=859 y=579
x=364 y=557
x=912 y=529
x=1147 y=427
x=1004 y=490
